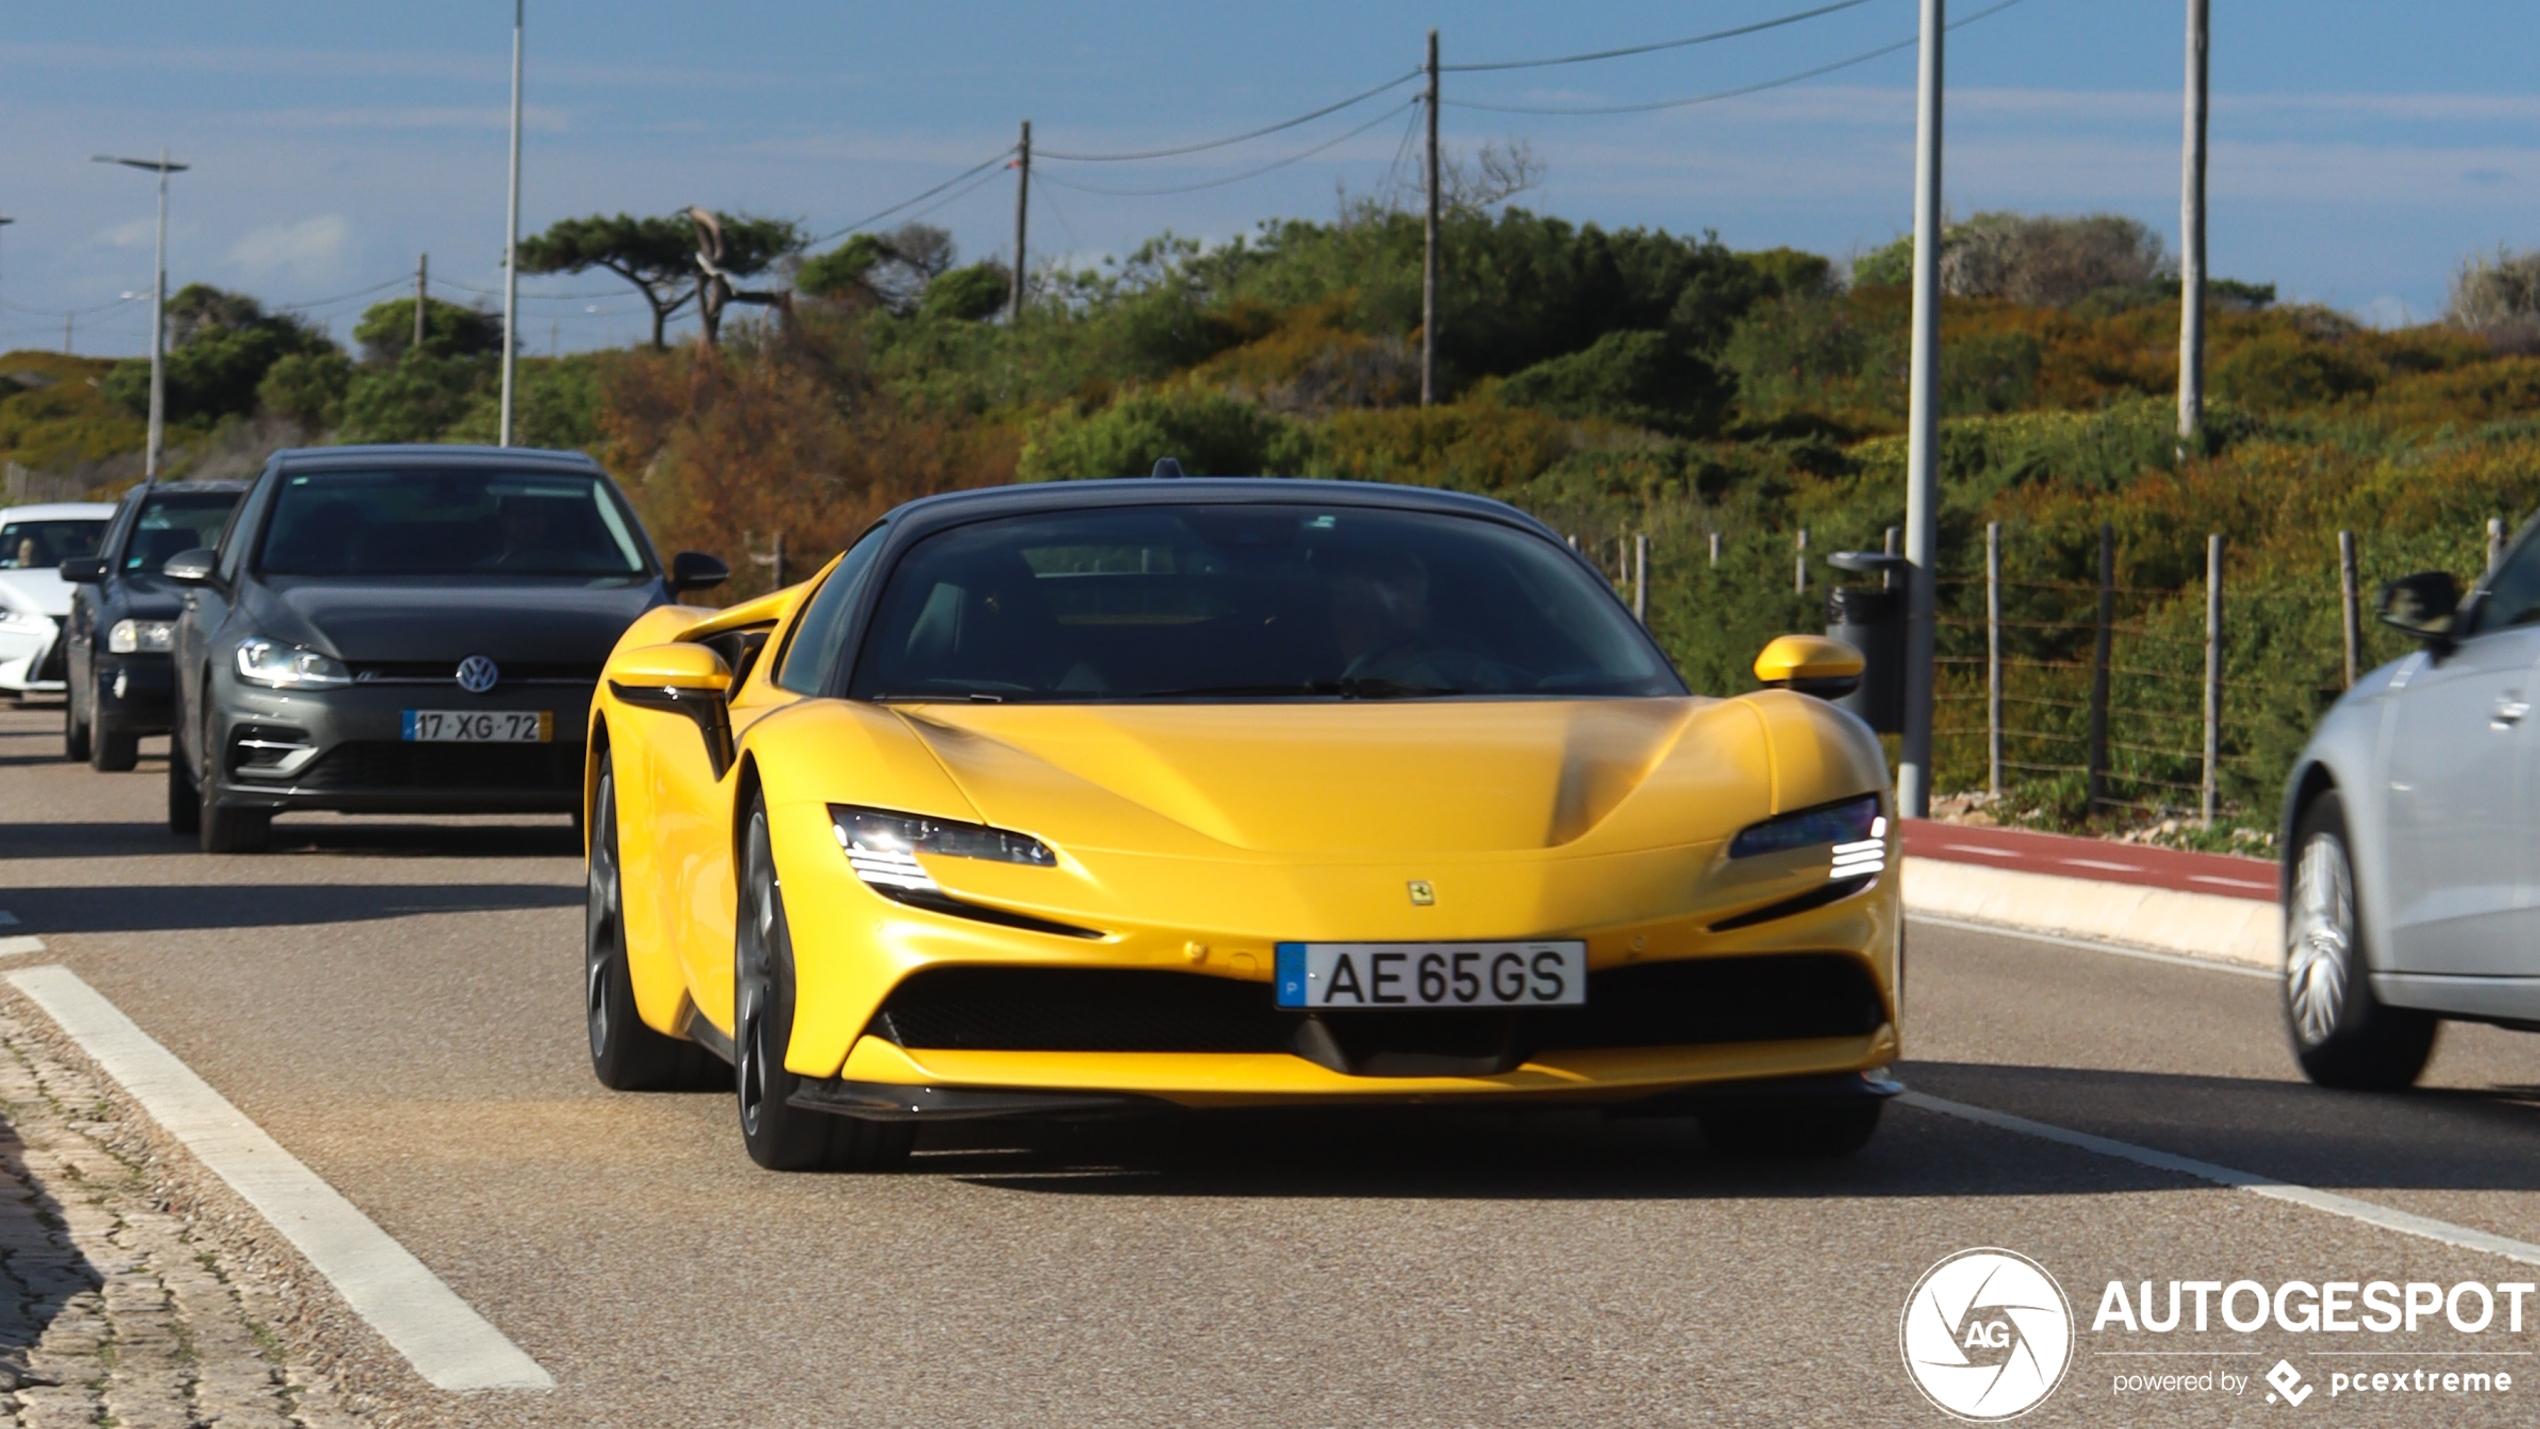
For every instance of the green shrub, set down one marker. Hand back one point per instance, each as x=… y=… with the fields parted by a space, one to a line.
x=1645 y=379
x=307 y=387
x=1209 y=433
x=981 y=290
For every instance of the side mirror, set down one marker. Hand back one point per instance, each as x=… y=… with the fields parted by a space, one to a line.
x=192 y=567
x=1810 y=664
x=2424 y=605
x=681 y=678
x=695 y=570
x=84 y=570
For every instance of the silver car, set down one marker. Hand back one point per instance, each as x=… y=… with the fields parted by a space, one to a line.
x=2412 y=870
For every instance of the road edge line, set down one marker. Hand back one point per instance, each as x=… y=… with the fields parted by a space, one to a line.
x=2093 y=945
x=2385 y=1217
x=420 y=1316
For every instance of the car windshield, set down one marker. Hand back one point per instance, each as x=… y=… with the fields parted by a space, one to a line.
x=26 y=545
x=175 y=521
x=1248 y=602
x=449 y=521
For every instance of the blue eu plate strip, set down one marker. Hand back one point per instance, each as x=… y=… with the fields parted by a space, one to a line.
x=410 y=725
x=1291 y=974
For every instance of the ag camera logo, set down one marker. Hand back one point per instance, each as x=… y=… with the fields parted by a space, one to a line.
x=1987 y=1335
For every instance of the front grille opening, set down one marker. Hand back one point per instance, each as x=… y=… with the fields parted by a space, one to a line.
x=382 y=764
x=1687 y=1002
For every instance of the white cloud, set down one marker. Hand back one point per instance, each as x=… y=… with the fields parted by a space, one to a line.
x=312 y=247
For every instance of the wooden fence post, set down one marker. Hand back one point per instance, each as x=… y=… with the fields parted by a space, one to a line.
x=1800 y=565
x=2101 y=650
x=2350 y=603
x=2495 y=541
x=1715 y=548
x=1993 y=656
x=1640 y=577
x=2213 y=677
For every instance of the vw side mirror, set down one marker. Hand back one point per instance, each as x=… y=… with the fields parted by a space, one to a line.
x=192 y=567
x=2425 y=605
x=84 y=570
x=695 y=570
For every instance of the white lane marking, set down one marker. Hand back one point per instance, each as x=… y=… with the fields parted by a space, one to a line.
x=440 y=1334
x=2101 y=863
x=1979 y=848
x=2404 y=1222
x=10 y=947
x=2086 y=945
x=2230 y=882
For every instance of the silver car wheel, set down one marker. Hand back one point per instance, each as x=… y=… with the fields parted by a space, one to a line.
x=2319 y=939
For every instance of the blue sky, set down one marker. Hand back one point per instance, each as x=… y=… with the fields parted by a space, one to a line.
x=2360 y=149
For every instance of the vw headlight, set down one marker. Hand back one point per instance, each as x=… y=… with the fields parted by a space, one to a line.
x=141 y=637
x=882 y=847
x=289 y=667
x=1854 y=831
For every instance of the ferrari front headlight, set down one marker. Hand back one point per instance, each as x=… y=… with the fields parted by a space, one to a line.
x=11 y=615
x=882 y=847
x=289 y=667
x=1854 y=833
x=139 y=637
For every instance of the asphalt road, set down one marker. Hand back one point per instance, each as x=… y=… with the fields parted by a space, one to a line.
x=398 y=1005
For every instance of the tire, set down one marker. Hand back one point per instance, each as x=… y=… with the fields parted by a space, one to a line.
x=1793 y=1128
x=74 y=731
x=185 y=803
x=112 y=751
x=626 y=1054
x=778 y=1135
x=2343 y=1035
x=224 y=829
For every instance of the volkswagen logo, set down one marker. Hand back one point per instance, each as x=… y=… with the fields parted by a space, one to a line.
x=477 y=674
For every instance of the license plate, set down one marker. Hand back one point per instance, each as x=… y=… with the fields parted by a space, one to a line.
x=481 y=726
x=1352 y=975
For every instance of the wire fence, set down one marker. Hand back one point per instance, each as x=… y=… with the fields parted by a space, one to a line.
x=2190 y=697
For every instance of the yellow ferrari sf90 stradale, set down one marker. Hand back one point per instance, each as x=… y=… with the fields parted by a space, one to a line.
x=1088 y=798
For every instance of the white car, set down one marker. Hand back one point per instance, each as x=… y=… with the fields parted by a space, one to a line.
x=34 y=599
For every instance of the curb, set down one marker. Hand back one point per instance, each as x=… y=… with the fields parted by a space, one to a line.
x=2208 y=926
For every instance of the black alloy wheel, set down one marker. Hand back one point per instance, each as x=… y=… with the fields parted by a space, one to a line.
x=2343 y=1034
x=74 y=731
x=779 y=1135
x=224 y=829
x=627 y=1055
x=185 y=803
x=109 y=751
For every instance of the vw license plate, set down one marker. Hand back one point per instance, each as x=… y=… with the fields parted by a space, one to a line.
x=481 y=726
x=1342 y=975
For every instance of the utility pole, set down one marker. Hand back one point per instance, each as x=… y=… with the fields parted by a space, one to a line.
x=1922 y=458
x=1429 y=247
x=157 y=448
x=2191 y=237
x=1022 y=206
x=511 y=234
x=423 y=271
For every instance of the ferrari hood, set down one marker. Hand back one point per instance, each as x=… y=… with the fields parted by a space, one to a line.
x=1355 y=778
x=507 y=620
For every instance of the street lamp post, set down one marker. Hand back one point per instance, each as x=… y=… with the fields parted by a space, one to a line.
x=511 y=233
x=162 y=166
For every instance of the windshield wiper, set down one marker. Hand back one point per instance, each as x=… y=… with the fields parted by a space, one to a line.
x=1365 y=689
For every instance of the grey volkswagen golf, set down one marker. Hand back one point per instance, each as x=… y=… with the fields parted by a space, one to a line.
x=397 y=629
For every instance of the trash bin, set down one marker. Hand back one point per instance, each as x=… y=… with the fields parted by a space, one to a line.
x=1871 y=619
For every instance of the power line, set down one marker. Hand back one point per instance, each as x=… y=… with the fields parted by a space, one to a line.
x=338 y=298
x=1863 y=58
x=1306 y=118
x=526 y=297
x=1729 y=34
x=1253 y=173
x=1000 y=157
